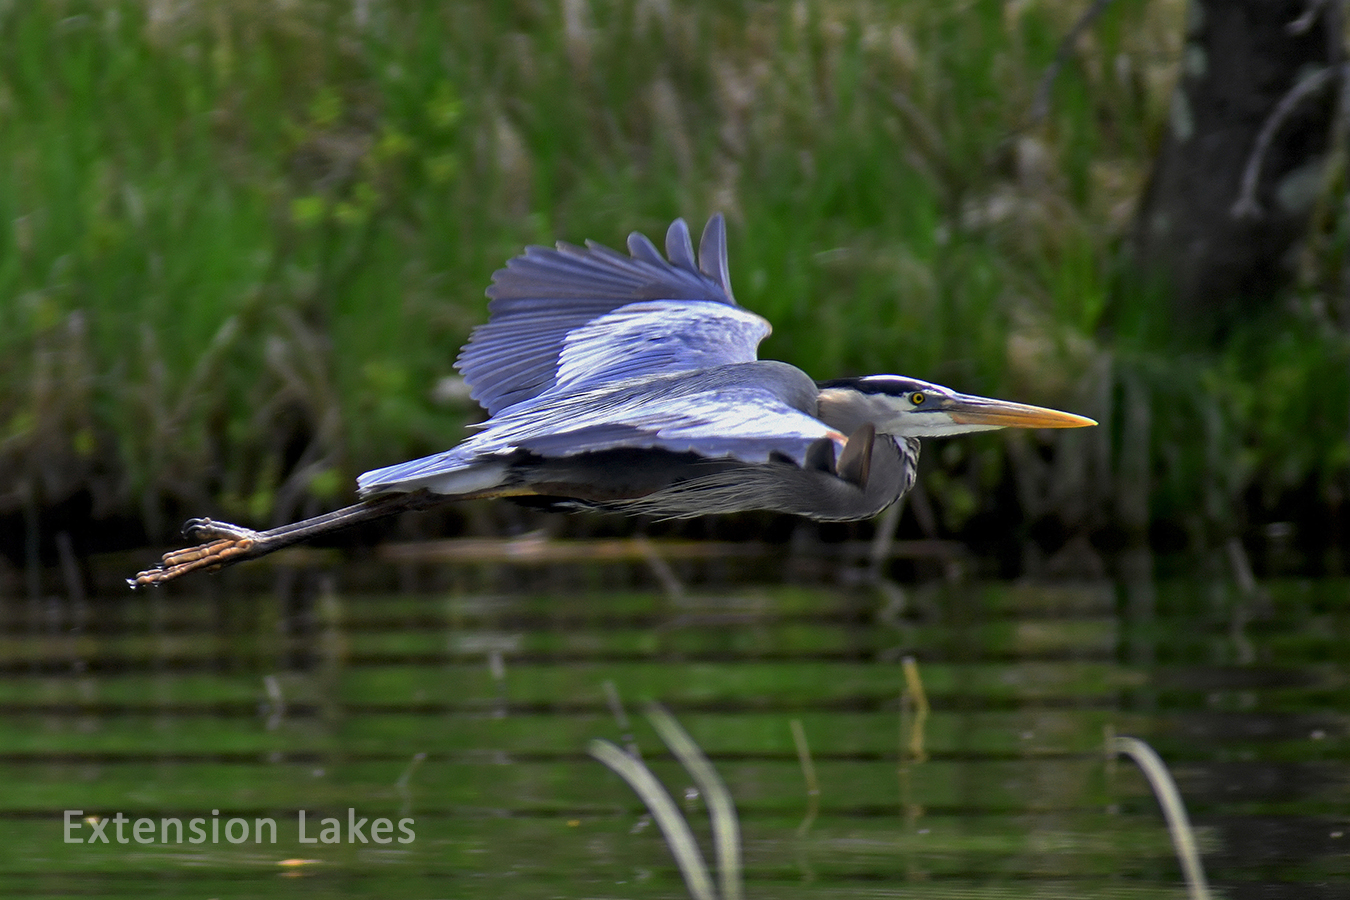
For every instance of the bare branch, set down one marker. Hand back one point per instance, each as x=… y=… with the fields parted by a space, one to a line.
x=1246 y=206
x=1040 y=105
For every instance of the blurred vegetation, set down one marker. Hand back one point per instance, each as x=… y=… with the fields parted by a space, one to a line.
x=241 y=242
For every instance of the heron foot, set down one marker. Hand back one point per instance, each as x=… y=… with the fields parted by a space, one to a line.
x=221 y=543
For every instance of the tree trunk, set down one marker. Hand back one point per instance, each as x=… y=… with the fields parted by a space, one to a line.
x=1243 y=156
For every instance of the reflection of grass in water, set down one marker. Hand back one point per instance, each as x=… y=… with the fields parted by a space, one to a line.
x=808 y=775
x=247 y=238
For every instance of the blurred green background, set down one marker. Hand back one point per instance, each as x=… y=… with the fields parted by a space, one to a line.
x=241 y=243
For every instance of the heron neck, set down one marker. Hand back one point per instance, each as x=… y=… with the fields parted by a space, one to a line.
x=847 y=410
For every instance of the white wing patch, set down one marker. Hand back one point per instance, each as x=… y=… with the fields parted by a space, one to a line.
x=659 y=337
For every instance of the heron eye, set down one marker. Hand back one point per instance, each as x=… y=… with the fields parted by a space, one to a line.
x=917 y=398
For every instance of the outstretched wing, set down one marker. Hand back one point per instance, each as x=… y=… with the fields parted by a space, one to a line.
x=576 y=316
x=752 y=413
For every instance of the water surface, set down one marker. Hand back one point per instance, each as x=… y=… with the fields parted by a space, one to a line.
x=466 y=707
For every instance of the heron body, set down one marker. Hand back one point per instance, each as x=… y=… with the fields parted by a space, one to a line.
x=632 y=384
x=664 y=445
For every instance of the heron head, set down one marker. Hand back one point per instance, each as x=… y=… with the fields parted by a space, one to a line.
x=907 y=407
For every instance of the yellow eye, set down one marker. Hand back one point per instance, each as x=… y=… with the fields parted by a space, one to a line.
x=917 y=398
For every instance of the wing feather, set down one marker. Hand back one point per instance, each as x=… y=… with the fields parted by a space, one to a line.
x=679 y=249
x=569 y=308
x=641 y=248
x=752 y=413
x=749 y=422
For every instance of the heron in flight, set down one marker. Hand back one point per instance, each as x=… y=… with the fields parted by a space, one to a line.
x=631 y=384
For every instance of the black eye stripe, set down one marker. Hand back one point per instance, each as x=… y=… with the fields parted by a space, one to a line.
x=890 y=385
x=875 y=385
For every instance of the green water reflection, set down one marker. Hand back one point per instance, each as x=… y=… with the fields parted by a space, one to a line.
x=468 y=713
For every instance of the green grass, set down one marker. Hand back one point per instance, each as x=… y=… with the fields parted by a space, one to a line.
x=241 y=243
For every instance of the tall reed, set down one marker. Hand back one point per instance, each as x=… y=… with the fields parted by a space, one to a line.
x=243 y=241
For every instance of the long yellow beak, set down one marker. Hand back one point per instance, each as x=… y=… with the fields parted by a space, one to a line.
x=971 y=410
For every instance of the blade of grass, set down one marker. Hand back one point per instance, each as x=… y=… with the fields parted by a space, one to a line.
x=725 y=825
x=1174 y=810
x=673 y=826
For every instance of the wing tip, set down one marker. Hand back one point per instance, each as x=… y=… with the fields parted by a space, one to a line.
x=680 y=247
x=712 y=254
x=588 y=281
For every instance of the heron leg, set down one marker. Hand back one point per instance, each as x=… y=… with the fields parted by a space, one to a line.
x=223 y=543
x=209 y=530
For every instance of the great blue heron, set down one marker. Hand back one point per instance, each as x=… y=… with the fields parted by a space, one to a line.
x=631 y=384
